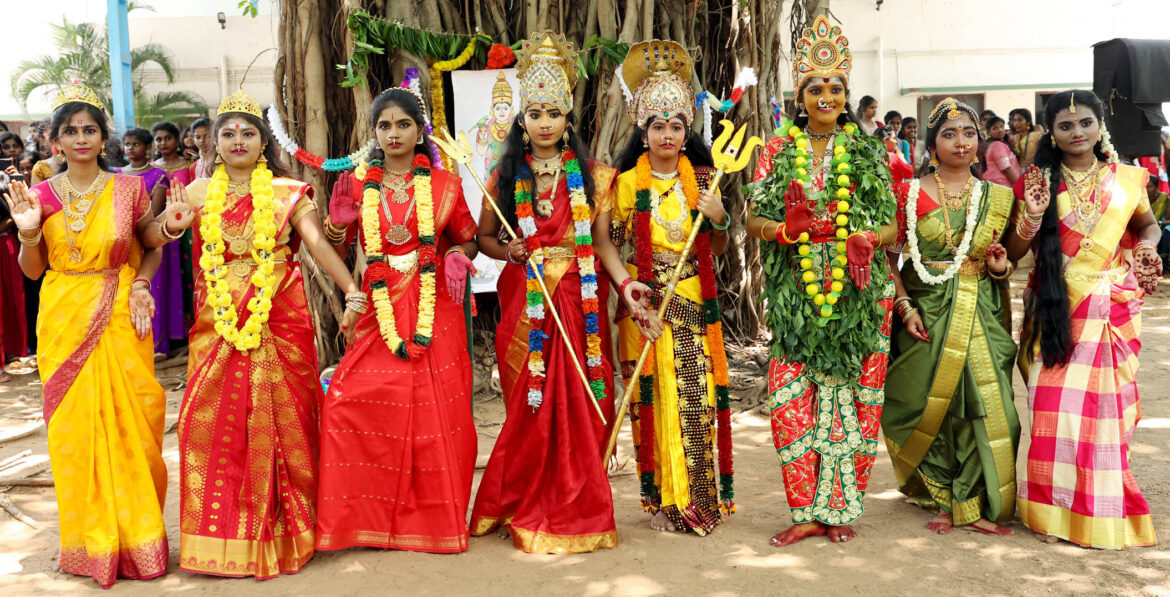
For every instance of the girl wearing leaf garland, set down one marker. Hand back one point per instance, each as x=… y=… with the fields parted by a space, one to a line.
x=949 y=417
x=1087 y=219
x=545 y=482
x=398 y=442
x=248 y=424
x=684 y=388
x=821 y=197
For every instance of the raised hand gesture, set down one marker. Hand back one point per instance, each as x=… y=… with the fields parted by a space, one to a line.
x=25 y=207
x=179 y=214
x=1036 y=195
x=797 y=214
x=1147 y=268
x=345 y=202
x=997 y=260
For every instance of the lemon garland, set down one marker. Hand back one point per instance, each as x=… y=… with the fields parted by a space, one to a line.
x=219 y=294
x=372 y=239
x=438 y=106
x=838 y=186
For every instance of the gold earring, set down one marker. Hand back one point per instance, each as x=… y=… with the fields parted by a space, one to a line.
x=565 y=136
x=933 y=160
x=524 y=136
x=976 y=160
x=218 y=159
x=1052 y=139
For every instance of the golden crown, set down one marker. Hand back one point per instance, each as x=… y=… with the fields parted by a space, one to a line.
x=76 y=92
x=502 y=90
x=547 y=66
x=822 y=51
x=952 y=109
x=240 y=102
x=659 y=72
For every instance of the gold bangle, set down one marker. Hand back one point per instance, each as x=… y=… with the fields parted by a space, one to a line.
x=455 y=248
x=1007 y=272
x=166 y=234
x=30 y=242
x=782 y=228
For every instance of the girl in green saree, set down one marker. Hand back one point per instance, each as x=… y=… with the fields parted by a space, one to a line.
x=949 y=419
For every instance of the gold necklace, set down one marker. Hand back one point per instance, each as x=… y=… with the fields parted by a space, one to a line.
x=955 y=201
x=1082 y=189
x=674 y=228
x=238 y=244
x=550 y=166
x=398 y=234
x=240 y=189
x=821 y=136
x=75 y=214
x=396 y=184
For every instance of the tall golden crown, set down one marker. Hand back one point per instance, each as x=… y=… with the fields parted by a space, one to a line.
x=76 y=92
x=240 y=102
x=502 y=90
x=822 y=51
x=659 y=72
x=548 y=70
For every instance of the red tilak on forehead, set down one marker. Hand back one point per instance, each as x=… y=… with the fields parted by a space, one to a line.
x=825 y=79
x=80 y=123
x=237 y=126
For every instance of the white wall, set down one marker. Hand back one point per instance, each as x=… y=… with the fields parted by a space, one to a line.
x=1007 y=49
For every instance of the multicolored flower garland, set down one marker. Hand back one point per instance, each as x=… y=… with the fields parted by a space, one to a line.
x=838 y=187
x=582 y=230
x=317 y=162
x=219 y=294
x=973 y=204
x=712 y=320
x=377 y=273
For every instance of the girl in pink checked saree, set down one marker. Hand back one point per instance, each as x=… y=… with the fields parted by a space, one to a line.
x=1089 y=223
x=102 y=405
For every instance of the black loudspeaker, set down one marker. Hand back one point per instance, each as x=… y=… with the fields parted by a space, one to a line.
x=1130 y=77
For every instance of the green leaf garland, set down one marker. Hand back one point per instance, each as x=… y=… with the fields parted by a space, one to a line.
x=835 y=345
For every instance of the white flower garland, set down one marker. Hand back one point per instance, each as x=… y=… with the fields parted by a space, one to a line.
x=912 y=233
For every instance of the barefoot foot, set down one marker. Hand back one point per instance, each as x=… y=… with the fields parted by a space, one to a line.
x=797 y=532
x=988 y=528
x=940 y=524
x=841 y=534
x=661 y=523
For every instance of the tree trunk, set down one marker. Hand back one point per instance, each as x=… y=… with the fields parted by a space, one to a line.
x=723 y=36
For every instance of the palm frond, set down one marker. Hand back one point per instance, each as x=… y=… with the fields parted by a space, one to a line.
x=156 y=53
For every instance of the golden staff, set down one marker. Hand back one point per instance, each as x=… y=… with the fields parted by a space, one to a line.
x=460 y=151
x=729 y=157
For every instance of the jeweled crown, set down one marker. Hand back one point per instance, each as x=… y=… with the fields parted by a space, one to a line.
x=822 y=51
x=659 y=72
x=547 y=66
x=76 y=92
x=502 y=90
x=240 y=102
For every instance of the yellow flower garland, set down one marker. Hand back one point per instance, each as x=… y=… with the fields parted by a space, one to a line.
x=438 y=108
x=372 y=239
x=219 y=295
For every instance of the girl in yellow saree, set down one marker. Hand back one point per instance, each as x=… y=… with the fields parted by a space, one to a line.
x=102 y=405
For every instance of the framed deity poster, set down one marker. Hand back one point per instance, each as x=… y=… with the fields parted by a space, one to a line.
x=484 y=103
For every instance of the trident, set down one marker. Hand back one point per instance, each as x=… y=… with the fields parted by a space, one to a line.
x=460 y=151
x=730 y=155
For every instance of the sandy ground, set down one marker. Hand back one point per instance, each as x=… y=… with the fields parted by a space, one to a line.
x=893 y=554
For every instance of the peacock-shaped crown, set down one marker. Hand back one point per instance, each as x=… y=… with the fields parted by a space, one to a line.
x=659 y=72
x=547 y=66
x=76 y=92
x=822 y=51
x=240 y=102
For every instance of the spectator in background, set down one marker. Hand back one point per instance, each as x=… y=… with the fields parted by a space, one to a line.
x=912 y=148
x=166 y=145
x=999 y=161
x=866 y=115
x=893 y=122
x=25 y=163
x=3 y=126
x=46 y=168
x=190 y=150
x=899 y=169
x=201 y=133
x=1025 y=139
x=11 y=147
x=984 y=117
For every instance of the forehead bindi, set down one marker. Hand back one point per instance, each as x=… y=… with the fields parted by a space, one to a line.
x=81 y=119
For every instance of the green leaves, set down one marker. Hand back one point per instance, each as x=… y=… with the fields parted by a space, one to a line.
x=248 y=8
x=835 y=345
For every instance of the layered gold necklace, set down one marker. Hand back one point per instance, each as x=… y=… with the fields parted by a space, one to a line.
x=75 y=215
x=953 y=201
x=1082 y=189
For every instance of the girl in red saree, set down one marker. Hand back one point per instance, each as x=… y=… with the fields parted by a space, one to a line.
x=545 y=482
x=103 y=407
x=398 y=442
x=248 y=424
